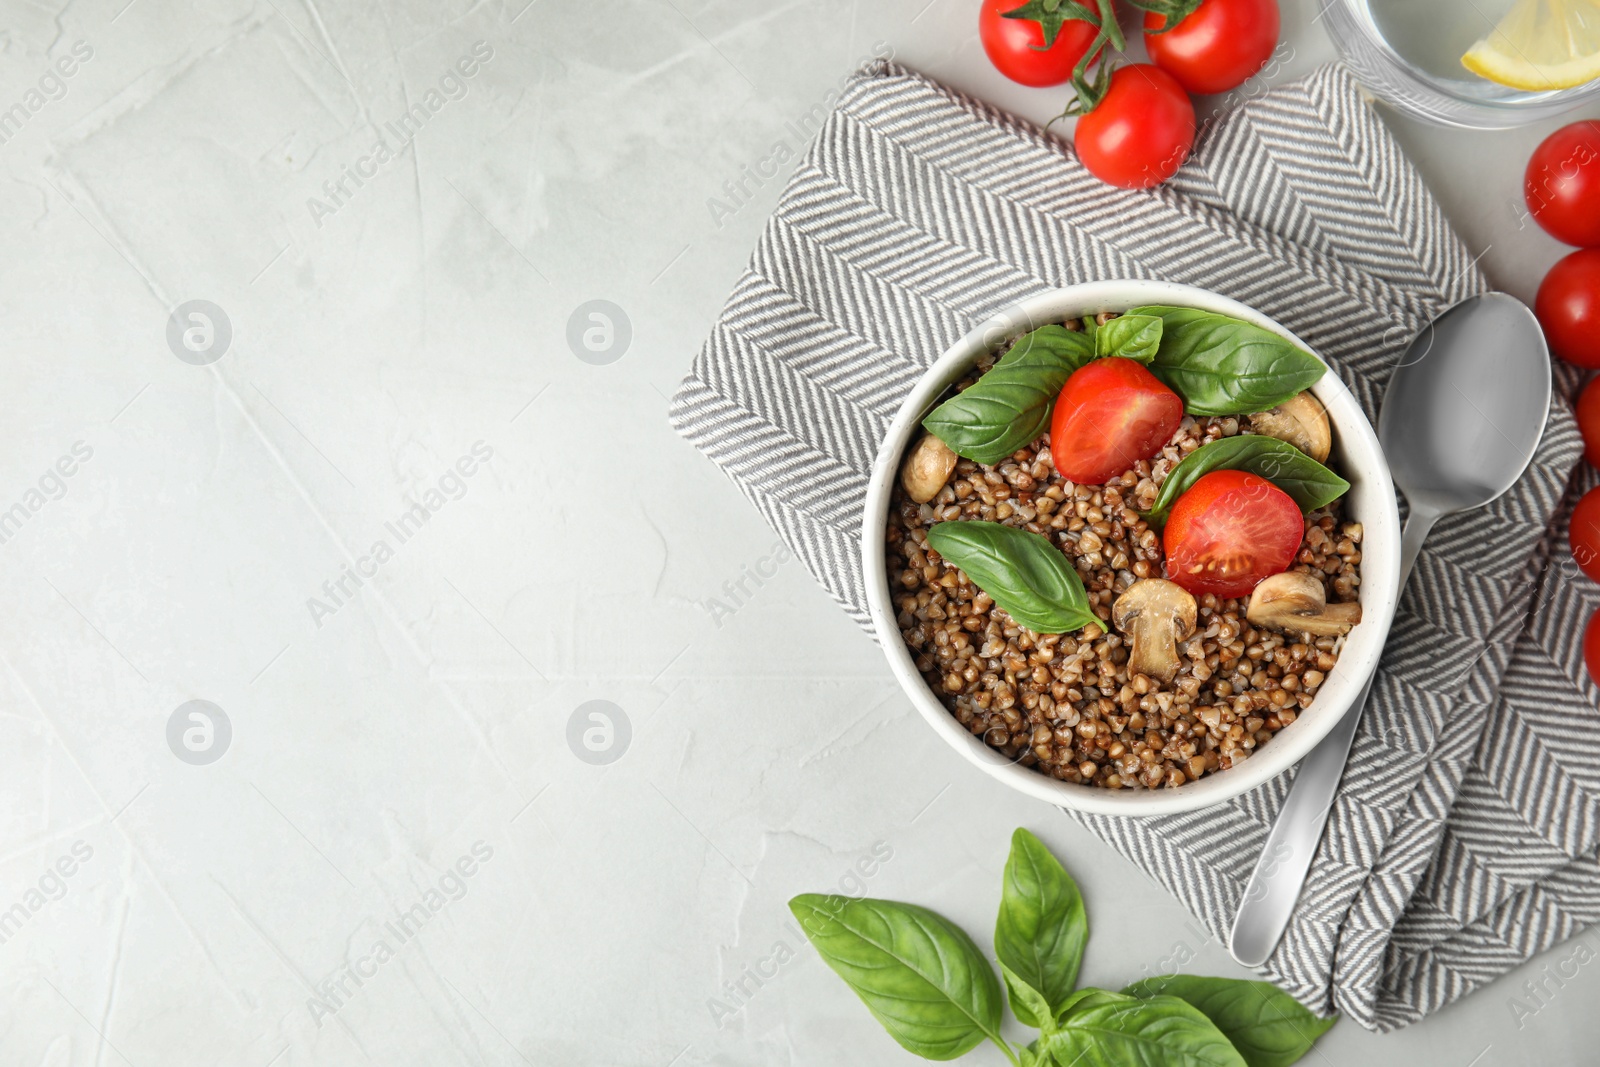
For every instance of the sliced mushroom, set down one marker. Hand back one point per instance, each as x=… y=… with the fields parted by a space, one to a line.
x=1155 y=615
x=1297 y=602
x=1302 y=421
x=927 y=468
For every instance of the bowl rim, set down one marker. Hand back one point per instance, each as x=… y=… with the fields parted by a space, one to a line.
x=1362 y=463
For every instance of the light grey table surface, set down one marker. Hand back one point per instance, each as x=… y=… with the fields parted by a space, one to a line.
x=428 y=719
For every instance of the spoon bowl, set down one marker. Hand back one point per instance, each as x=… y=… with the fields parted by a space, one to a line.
x=1466 y=407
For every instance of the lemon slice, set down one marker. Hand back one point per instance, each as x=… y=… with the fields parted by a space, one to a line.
x=1541 y=45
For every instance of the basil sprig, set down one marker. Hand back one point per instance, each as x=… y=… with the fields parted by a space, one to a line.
x=1268 y=1026
x=1110 y=1030
x=934 y=991
x=1310 y=483
x=1009 y=406
x=1221 y=365
x=1130 y=337
x=1022 y=571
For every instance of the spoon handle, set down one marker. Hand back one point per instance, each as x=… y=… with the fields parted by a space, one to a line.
x=1280 y=872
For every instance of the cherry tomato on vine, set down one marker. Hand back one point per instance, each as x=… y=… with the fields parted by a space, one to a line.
x=1218 y=47
x=1583 y=535
x=1140 y=132
x=1228 y=531
x=1016 y=46
x=1568 y=307
x=1562 y=184
x=1111 y=414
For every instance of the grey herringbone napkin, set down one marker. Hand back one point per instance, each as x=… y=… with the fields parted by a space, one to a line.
x=1466 y=832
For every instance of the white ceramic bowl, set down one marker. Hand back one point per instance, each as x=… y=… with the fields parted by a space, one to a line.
x=1371 y=501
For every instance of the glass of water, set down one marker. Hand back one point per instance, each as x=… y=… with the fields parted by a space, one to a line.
x=1408 y=53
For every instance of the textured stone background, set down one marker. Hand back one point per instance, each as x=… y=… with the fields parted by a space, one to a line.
x=439 y=715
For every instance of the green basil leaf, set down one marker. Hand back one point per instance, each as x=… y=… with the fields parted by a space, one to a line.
x=1071 y=347
x=1310 y=483
x=1226 y=366
x=1129 y=337
x=1089 y=998
x=1009 y=406
x=918 y=973
x=1027 y=1004
x=1042 y=927
x=1107 y=1031
x=1268 y=1026
x=1022 y=571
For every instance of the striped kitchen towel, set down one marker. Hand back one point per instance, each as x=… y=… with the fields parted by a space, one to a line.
x=1466 y=833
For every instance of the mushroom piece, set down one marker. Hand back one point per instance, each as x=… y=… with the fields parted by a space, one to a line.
x=1293 y=601
x=1155 y=614
x=1302 y=421
x=927 y=468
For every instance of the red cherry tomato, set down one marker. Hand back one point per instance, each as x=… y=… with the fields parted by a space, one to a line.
x=1568 y=306
x=1141 y=132
x=1016 y=46
x=1562 y=184
x=1111 y=414
x=1228 y=531
x=1591 y=647
x=1216 y=48
x=1584 y=534
x=1589 y=421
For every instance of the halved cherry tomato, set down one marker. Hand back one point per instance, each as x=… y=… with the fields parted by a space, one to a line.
x=1218 y=47
x=1588 y=409
x=1140 y=132
x=1591 y=647
x=1230 y=530
x=1568 y=306
x=1016 y=46
x=1111 y=414
x=1584 y=534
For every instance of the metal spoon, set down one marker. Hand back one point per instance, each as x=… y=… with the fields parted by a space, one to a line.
x=1461 y=418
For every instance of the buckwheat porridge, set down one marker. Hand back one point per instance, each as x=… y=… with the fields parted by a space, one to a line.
x=1201 y=648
